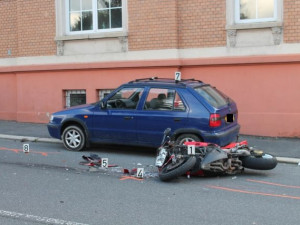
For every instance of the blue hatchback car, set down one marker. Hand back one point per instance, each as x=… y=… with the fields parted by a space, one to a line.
x=138 y=112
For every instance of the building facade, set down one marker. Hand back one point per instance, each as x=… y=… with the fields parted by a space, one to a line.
x=59 y=53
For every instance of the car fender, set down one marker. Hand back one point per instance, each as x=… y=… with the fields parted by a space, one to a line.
x=69 y=121
x=180 y=131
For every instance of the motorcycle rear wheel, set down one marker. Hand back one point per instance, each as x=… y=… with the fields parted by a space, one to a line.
x=168 y=173
x=264 y=162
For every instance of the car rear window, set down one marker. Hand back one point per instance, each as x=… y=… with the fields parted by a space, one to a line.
x=212 y=96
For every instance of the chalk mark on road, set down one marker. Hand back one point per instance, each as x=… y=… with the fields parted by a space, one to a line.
x=252 y=192
x=39 y=219
x=21 y=151
x=274 y=184
x=130 y=178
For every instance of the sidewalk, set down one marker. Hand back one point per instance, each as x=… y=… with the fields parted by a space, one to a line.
x=282 y=148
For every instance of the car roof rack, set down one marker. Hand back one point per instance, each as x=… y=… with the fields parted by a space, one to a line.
x=169 y=80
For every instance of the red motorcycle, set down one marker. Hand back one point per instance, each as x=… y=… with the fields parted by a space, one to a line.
x=201 y=158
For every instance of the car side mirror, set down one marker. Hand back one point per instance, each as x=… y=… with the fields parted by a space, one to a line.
x=103 y=105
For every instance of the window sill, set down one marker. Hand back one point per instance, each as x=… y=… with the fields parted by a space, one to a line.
x=243 y=26
x=114 y=34
x=274 y=27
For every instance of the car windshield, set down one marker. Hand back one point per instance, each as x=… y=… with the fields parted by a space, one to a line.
x=212 y=96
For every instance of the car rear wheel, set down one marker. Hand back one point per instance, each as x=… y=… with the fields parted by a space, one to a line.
x=73 y=138
x=186 y=138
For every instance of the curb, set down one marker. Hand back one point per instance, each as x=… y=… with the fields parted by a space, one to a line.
x=288 y=160
x=52 y=140
x=27 y=138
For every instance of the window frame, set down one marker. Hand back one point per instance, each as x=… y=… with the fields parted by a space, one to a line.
x=132 y=105
x=68 y=94
x=162 y=109
x=95 y=29
x=249 y=21
x=103 y=93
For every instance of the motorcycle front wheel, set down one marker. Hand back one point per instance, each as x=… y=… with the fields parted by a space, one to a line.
x=170 y=171
x=264 y=162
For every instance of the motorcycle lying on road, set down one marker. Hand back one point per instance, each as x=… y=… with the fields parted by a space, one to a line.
x=205 y=158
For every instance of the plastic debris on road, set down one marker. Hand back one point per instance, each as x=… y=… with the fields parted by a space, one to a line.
x=94 y=162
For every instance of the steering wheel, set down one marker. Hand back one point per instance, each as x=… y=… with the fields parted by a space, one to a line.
x=120 y=104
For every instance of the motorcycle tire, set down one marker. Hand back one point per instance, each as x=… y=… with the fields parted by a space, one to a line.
x=168 y=174
x=264 y=162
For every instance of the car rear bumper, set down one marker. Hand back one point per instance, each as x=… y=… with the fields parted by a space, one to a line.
x=224 y=137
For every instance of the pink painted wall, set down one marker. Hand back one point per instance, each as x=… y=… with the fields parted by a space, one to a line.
x=8 y=96
x=41 y=93
x=267 y=93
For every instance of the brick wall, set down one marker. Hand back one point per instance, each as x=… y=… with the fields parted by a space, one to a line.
x=36 y=27
x=162 y=24
x=291 y=30
x=27 y=28
x=202 y=23
x=8 y=31
x=152 y=24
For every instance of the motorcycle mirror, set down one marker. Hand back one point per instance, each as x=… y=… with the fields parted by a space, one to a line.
x=167 y=131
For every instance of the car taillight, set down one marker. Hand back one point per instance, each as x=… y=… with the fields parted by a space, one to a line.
x=215 y=120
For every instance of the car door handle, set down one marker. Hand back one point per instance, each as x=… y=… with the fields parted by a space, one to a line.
x=177 y=119
x=128 y=117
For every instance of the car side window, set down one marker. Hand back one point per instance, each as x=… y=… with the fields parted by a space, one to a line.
x=178 y=104
x=163 y=99
x=126 y=98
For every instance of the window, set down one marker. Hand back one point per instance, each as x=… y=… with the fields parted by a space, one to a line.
x=249 y=11
x=212 y=96
x=86 y=16
x=109 y=14
x=81 y=15
x=163 y=99
x=126 y=98
x=75 y=97
x=254 y=23
x=104 y=92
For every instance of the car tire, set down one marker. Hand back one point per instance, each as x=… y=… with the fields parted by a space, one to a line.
x=186 y=138
x=73 y=138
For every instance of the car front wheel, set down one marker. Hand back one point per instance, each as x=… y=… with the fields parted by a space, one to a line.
x=73 y=138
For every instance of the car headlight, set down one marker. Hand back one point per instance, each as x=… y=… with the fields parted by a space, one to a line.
x=51 y=118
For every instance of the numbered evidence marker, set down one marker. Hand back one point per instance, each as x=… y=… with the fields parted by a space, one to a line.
x=140 y=173
x=26 y=148
x=104 y=163
x=177 y=76
x=191 y=149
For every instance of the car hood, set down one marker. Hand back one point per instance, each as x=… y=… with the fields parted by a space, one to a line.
x=74 y=109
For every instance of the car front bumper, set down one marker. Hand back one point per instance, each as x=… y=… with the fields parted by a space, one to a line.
x=54 y=130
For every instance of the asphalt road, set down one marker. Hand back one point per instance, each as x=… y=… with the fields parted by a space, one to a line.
x=48 y=186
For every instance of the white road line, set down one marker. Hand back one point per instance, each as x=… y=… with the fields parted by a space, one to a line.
x=44 y=220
